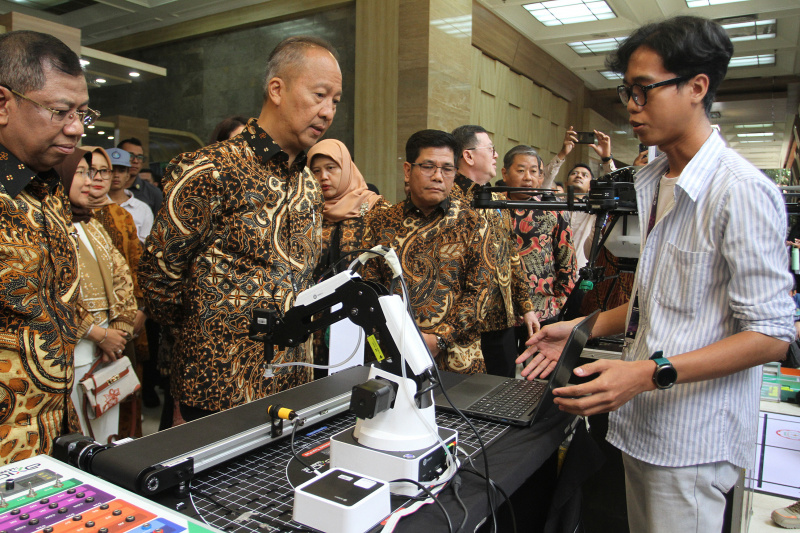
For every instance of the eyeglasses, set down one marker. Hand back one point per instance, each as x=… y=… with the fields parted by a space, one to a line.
x=62 y=116
x=83 y=173
x=490 y=147
x=429 y=170
x=137 y=157
x=639 y=92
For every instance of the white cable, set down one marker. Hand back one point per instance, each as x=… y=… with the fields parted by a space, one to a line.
x=323 y=367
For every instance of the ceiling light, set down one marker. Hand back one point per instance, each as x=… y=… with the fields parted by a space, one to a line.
x=597 y=46
x=84 y=62
x=765 y=125
x=703 y=3
x=100 y=80
x=134 y=74
x=101 y=133
x=752 y=61
x=761 y=134
x=610 y=75
x=756 y=141
x=558 y=12
x=620 y=132
x=111 y=137
x=91 y=126
x=748 y=28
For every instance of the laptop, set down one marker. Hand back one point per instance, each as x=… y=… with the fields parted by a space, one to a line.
x=517 y=402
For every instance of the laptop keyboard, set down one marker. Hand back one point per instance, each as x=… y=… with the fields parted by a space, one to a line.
x=511 y=399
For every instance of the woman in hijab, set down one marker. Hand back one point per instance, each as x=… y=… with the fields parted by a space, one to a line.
x=347 y=200
x=106 y=307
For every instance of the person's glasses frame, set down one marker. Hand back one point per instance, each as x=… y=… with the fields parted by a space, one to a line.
x=137 y=157
x=490 y=147
x=61 y=116
x=105 y=174
x=429 y=170
x=637 y=91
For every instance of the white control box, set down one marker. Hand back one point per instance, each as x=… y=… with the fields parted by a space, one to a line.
x=341 y=501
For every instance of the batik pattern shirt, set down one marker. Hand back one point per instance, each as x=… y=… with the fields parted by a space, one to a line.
x=442 y=264
x=38 y=323
x=340 y=238
x=239 y=230
x=545 y=247
x=505 y=296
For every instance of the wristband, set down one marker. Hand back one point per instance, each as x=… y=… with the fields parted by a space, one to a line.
x=607 y=159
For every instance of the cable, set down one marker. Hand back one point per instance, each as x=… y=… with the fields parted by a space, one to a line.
x=297 y=423
x=430 y=494
x=456 y=488
x=323 y=367
x=498 y=488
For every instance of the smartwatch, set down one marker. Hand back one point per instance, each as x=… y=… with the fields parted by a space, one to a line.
x=665 y=374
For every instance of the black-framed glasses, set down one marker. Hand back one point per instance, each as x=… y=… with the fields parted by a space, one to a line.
x=137 y=157
x=429 y=170
x=639 y=92
x=91 y=173
x=490 y=147
x=62 y=116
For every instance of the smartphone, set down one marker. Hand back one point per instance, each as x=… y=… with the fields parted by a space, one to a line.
x=586 y=137
x=642 y=148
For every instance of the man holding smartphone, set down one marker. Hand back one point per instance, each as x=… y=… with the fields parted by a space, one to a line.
x=711 y=302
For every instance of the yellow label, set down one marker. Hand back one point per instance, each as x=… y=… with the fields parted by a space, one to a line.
x=373 y=342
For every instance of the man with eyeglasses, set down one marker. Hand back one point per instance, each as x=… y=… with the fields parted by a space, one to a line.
x=43 y=109
x=439 y=246
x=141 y=190
x=505 y=297
x=711 y=302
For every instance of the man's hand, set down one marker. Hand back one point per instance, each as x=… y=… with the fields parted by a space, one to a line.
x=531 y=320
x=545 y=347
x=138 y=322
x=603 y=146
x=430 y=342
x=615 y=384
x=570 y=139
x=641 y=159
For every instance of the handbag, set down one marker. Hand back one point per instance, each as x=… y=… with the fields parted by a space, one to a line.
x=106 y=386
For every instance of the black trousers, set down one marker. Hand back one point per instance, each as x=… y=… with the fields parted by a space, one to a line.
x=499 y=352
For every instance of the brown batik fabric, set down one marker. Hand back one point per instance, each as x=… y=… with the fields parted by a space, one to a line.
x=506 y=296
x=239 y=230
x=444 y=269
x=38 y=323
x=340 y=238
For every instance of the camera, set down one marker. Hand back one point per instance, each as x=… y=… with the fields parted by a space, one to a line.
x=613 y=192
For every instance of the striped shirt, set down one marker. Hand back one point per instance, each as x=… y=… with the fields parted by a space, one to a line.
x=713 y=266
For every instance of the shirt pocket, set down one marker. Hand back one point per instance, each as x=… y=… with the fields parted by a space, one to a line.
x=682 y=280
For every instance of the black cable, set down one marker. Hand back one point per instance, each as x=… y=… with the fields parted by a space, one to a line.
x=298 y=423
x=277 y=527
x=502 y=492
x=430 y=494
x=456 y=486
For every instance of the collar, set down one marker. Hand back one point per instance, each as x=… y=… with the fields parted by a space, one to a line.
x=409 y=207
x=695 y=176
x=266 y=148
x=16 y=175
x=464 y=183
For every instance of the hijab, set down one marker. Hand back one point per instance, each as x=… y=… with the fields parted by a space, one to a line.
x=66 y=170
x=352 y=198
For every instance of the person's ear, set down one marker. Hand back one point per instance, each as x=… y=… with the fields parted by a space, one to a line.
x=466 y=155
x=504 y=173
x=698 y=87
x=275 y=90
x=407 y=172
x=6 y=97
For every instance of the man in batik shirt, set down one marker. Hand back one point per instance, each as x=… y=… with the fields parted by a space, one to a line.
x=506 y=295
x=241 y=230
x=43 y=108
x=439 y=246
x=543 y=236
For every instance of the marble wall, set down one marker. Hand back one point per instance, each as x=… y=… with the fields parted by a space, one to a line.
x=216 y=76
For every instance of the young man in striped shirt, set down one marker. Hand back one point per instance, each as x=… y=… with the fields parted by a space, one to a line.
x=711 y=299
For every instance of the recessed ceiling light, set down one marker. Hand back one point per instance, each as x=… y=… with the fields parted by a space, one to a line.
x=101 y=133
x=597 y=46
x=100 y=80
x=703 y=3
x=764 y=125
x=752 y=61
x=111 y=137
x=756 y=141
x=749 y=28
x=134 y=74
x=609 y=75
x=91 y=126
x=83 y=135
x=558 y=12
x=84 y=62
x=620 y=132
